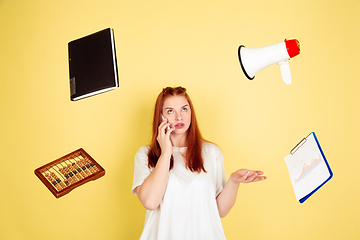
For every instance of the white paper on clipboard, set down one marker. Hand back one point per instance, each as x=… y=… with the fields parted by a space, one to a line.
x=308 y=167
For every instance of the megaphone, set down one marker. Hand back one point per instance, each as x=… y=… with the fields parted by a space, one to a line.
x=252 y=60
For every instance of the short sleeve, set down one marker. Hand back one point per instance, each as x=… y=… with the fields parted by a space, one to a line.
x=141 y=169
x=220 y=174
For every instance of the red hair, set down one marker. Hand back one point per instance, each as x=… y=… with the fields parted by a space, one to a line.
x=194 y=161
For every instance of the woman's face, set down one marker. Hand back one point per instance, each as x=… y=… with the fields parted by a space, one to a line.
x=176 y=110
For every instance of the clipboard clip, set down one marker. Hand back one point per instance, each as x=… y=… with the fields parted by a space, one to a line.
x=302 y=142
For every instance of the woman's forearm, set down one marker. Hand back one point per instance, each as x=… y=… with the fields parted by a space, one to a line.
x=152 y=191
x=227 y=198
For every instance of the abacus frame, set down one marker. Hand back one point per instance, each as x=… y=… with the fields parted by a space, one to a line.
x=95 y=174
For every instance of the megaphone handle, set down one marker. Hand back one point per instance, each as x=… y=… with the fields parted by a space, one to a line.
x=285 y=72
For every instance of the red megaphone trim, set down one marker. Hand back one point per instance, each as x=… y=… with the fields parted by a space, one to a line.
x=292 y=47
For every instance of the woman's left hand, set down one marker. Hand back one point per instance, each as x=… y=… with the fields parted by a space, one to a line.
x=246 y=176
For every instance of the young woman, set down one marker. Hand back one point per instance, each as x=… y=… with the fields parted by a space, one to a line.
x=180 y=177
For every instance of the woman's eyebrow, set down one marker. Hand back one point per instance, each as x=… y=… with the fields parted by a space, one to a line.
x=186 y=105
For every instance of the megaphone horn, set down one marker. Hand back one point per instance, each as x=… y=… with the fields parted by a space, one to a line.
x=252 y=60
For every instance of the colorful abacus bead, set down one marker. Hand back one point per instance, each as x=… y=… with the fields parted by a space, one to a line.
x=83 y=167
x=53 y=181
x=78 y=168
x=62 y=185
x=77 y=175
x=92 y=164
x=69 y=180
x=88 y=167
x=67 y=170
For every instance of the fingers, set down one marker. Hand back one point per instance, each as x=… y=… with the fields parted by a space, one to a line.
x=253 y=176
x=259 y=178
x=163 y=136
x=250 y=176
x=163 y=124
x=162 y=127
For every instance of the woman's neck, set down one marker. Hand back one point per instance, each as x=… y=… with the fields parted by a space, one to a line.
x=178 y=140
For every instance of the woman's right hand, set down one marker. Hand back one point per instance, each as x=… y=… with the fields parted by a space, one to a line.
x=163 y=137
x=152 y=190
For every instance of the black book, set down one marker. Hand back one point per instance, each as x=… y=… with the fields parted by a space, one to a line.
x=92 y=65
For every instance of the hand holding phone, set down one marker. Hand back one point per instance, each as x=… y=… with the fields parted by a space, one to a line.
x=168 y=127
x=164 y=140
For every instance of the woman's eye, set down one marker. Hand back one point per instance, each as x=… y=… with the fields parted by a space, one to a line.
x=170 y=111
x=184 y=109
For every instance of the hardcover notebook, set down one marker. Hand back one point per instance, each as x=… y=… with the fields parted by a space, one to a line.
x=92 y=64
x=308 y=167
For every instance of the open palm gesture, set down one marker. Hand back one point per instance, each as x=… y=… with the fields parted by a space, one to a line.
x=247 y=176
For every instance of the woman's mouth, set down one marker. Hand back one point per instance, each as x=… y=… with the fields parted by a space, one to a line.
x=179 y=125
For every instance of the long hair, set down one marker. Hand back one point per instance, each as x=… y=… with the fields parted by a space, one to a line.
x=194 y=161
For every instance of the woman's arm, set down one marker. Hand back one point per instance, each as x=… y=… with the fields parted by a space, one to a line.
x=226 y=199
x=152 y=190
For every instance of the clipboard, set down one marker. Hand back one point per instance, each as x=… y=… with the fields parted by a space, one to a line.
x=308 y=168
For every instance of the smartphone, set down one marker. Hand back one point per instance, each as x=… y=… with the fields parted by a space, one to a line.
x=163 y=120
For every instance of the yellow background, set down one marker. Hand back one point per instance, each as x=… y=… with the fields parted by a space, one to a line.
x=193 y=44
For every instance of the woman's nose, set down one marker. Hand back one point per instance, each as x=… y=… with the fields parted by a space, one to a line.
x=178 y=116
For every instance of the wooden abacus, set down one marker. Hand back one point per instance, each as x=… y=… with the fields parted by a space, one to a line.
x=69 y=172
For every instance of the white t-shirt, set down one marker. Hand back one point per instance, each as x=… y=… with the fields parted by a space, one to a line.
x=188 y=210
